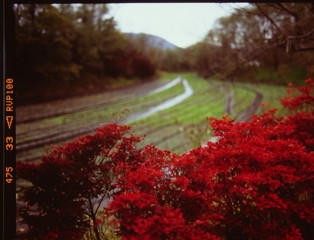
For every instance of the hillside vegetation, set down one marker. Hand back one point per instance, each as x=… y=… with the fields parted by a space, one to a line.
x=72 y=51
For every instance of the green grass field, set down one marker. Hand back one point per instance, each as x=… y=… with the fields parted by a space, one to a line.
x=184 y=126
x=179 y=128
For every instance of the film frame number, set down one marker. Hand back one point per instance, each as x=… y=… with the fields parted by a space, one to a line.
x=9 y=174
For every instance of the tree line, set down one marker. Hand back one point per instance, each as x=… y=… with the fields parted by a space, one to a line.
x=73 y=48
x=264 y=42
x=68 y=49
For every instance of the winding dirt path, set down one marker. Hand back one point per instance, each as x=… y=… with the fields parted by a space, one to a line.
x=56 y=108
x=230 y=102
x=229 y=105
x=244 y=115
x=60 y=136
x=253 y=107
x=188 y=91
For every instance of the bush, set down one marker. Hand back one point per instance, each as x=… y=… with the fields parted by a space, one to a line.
x=70 y=184
x=255 y=182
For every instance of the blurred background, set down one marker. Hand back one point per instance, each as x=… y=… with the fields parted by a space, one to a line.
x=79 y=66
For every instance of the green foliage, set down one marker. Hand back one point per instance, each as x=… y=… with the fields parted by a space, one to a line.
x=63 y=50
x=269 y=42
x=42 y=64
x=267 y=74
x=284 y=74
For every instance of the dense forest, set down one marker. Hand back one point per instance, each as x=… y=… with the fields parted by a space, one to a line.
x=70 y=49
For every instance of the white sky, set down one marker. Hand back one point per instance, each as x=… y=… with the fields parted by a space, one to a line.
x=182 y=24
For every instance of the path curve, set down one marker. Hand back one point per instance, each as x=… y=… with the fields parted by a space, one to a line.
x=188 y=91
x=41 y=111
x=166 y=86
x=253 y=107
x=244 y=115
x=58 y=137
x=249 y=111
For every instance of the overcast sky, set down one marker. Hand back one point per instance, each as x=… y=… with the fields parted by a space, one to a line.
x=182 y=24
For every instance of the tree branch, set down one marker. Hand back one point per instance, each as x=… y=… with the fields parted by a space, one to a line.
x=268 y=17
x=93 y=215
x=310 y=8
x=296 y=17
x=305 y=35
x=100 y=202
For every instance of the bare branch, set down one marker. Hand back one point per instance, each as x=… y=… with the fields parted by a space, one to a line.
x=100 y=202
x=302 y=36
x=296 y=17
x=268 y=17
x=310 y=8
x=305 y=48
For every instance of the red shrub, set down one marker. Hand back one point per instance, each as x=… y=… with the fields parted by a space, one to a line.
x=255 y=182
x=72 y=181
x=306 y=99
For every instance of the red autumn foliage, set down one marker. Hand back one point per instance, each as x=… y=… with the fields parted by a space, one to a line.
x=71 y=182
x=305 y=99
x=255 y=182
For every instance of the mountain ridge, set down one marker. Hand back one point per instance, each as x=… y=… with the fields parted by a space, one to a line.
x=153 y=40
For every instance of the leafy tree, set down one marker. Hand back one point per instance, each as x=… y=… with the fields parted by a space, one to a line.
x=63 y=50
x=264 y=42
x=142 y=67
x=43 y=49
x=289 y=24
x=70 y=184
x=96 y=38
x=177 y=60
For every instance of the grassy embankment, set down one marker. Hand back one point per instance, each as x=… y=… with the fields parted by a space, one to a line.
x=179 y=128
x=88 y=118
x=184 y=126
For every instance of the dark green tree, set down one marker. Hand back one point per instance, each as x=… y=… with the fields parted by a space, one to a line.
x=64 y=49
x=44 y=50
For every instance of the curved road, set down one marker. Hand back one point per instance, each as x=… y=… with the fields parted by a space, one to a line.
x=253 y=107
x=188 y=91
x=61 y=136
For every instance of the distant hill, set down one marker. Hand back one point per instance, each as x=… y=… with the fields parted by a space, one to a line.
x=154 y=41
